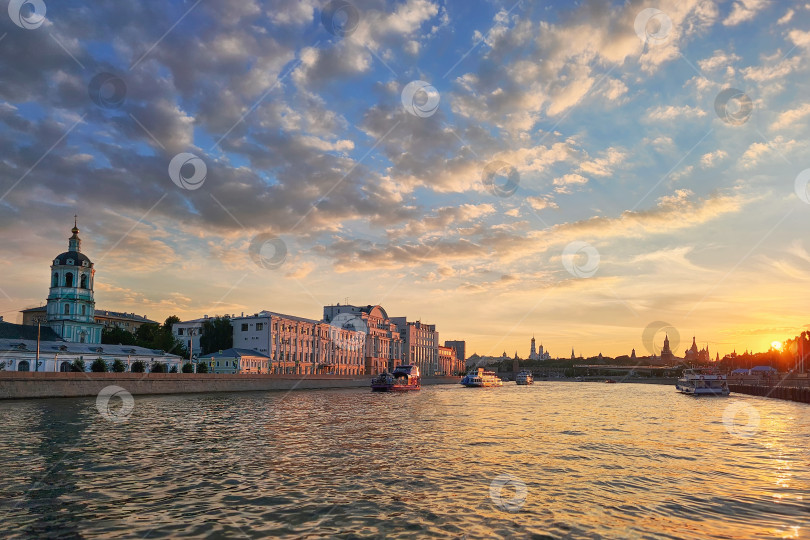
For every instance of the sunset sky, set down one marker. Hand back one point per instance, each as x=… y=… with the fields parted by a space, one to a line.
x=638 y=190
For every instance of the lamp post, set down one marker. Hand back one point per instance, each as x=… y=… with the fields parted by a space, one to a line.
x=39 y=320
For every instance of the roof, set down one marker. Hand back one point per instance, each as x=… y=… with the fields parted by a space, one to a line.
x=763 y=368
x=37 y=309
x=20 y=331
x=740 y=370
x=122 y=315
x=233 y=352
x=75 y=256
x=266 y=313
x=50 y=347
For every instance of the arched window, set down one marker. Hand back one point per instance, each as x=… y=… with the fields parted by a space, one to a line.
x=69 y=279
x=24 y=366
x=67 y=309
x=64 y=367
x=84 y=281
x=55 y=280
x=84 y=310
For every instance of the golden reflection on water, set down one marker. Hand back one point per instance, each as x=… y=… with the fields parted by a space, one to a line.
x=571 y=459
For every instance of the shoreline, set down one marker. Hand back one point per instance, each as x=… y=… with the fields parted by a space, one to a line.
x=32 y=385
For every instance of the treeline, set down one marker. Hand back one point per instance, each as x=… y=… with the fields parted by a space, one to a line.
x=152 y=336
x=216 y=335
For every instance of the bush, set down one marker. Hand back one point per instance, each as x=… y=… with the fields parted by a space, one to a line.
x=138 y=367
x=188 y=368
x=118 y=366
x=173 y=369
x=158 y=367
x=77 y=365
x=98 y=366
x=202 y=367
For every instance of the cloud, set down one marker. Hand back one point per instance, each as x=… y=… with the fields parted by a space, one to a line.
x=671 y=112
x=790 y=117
x=744 y=10
x=712 y=158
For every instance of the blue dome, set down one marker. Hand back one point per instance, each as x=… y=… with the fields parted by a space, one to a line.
x=76 y=257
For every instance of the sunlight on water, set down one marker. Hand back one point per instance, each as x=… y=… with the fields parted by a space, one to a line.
x=553 y=459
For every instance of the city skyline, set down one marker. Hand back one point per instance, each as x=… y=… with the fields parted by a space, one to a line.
x=498 y=169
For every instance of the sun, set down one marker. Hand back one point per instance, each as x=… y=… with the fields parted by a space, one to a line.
x=776 y=345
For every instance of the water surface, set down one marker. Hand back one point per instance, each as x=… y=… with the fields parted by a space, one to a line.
x=593 y=460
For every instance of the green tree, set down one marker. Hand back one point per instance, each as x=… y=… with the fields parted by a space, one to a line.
x=98 y=366
x=217 y=335
x=77 y=365
x=173 y=369
x=158 y=367
x=160 y=337
x=202 y=367
x=118 y=366
x=138 y=367
x=188 y=368
x=117 y=336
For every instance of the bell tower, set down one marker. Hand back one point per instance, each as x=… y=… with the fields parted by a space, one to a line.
x=71 y=305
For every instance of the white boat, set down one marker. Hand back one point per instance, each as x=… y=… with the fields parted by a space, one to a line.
x=524 y=377
x=702 y=382
x=481 y=378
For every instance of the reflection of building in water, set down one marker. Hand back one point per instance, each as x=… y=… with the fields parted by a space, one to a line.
x=542 y=354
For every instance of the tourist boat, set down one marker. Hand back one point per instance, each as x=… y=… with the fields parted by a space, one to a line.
x=402 y=379
x=702 y=382
x=524 y=377
x=481 y=378
x=610 y=381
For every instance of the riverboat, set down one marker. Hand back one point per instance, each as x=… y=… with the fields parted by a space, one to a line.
x=481 y=378
x=402 y=379
x=702 y=382
x=525 y=377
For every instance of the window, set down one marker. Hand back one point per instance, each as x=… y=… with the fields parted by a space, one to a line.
x=69 y=262
x=69 y=279
x=55 y=282
x=84 y=310
x=67 y=309
x=259 y=326
x=84 y=281
x=244 y=327
x=23 y=366
x=179 y=331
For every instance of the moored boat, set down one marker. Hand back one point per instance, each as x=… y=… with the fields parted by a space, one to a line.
x=524 y=377
x=481 y=378
x=402 y=379
x=702 y=382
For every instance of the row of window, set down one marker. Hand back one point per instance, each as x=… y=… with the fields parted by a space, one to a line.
x=68 y=281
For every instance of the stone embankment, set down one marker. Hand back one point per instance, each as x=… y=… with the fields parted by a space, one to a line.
x=27 y=385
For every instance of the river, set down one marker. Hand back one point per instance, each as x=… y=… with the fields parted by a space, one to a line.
x=552 y=460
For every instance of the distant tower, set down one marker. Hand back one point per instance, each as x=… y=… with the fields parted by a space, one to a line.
x=666 y=352
x=573 y=357
x=515 y=363
x=71 y=307
x=533 y=353
x=633 y=355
